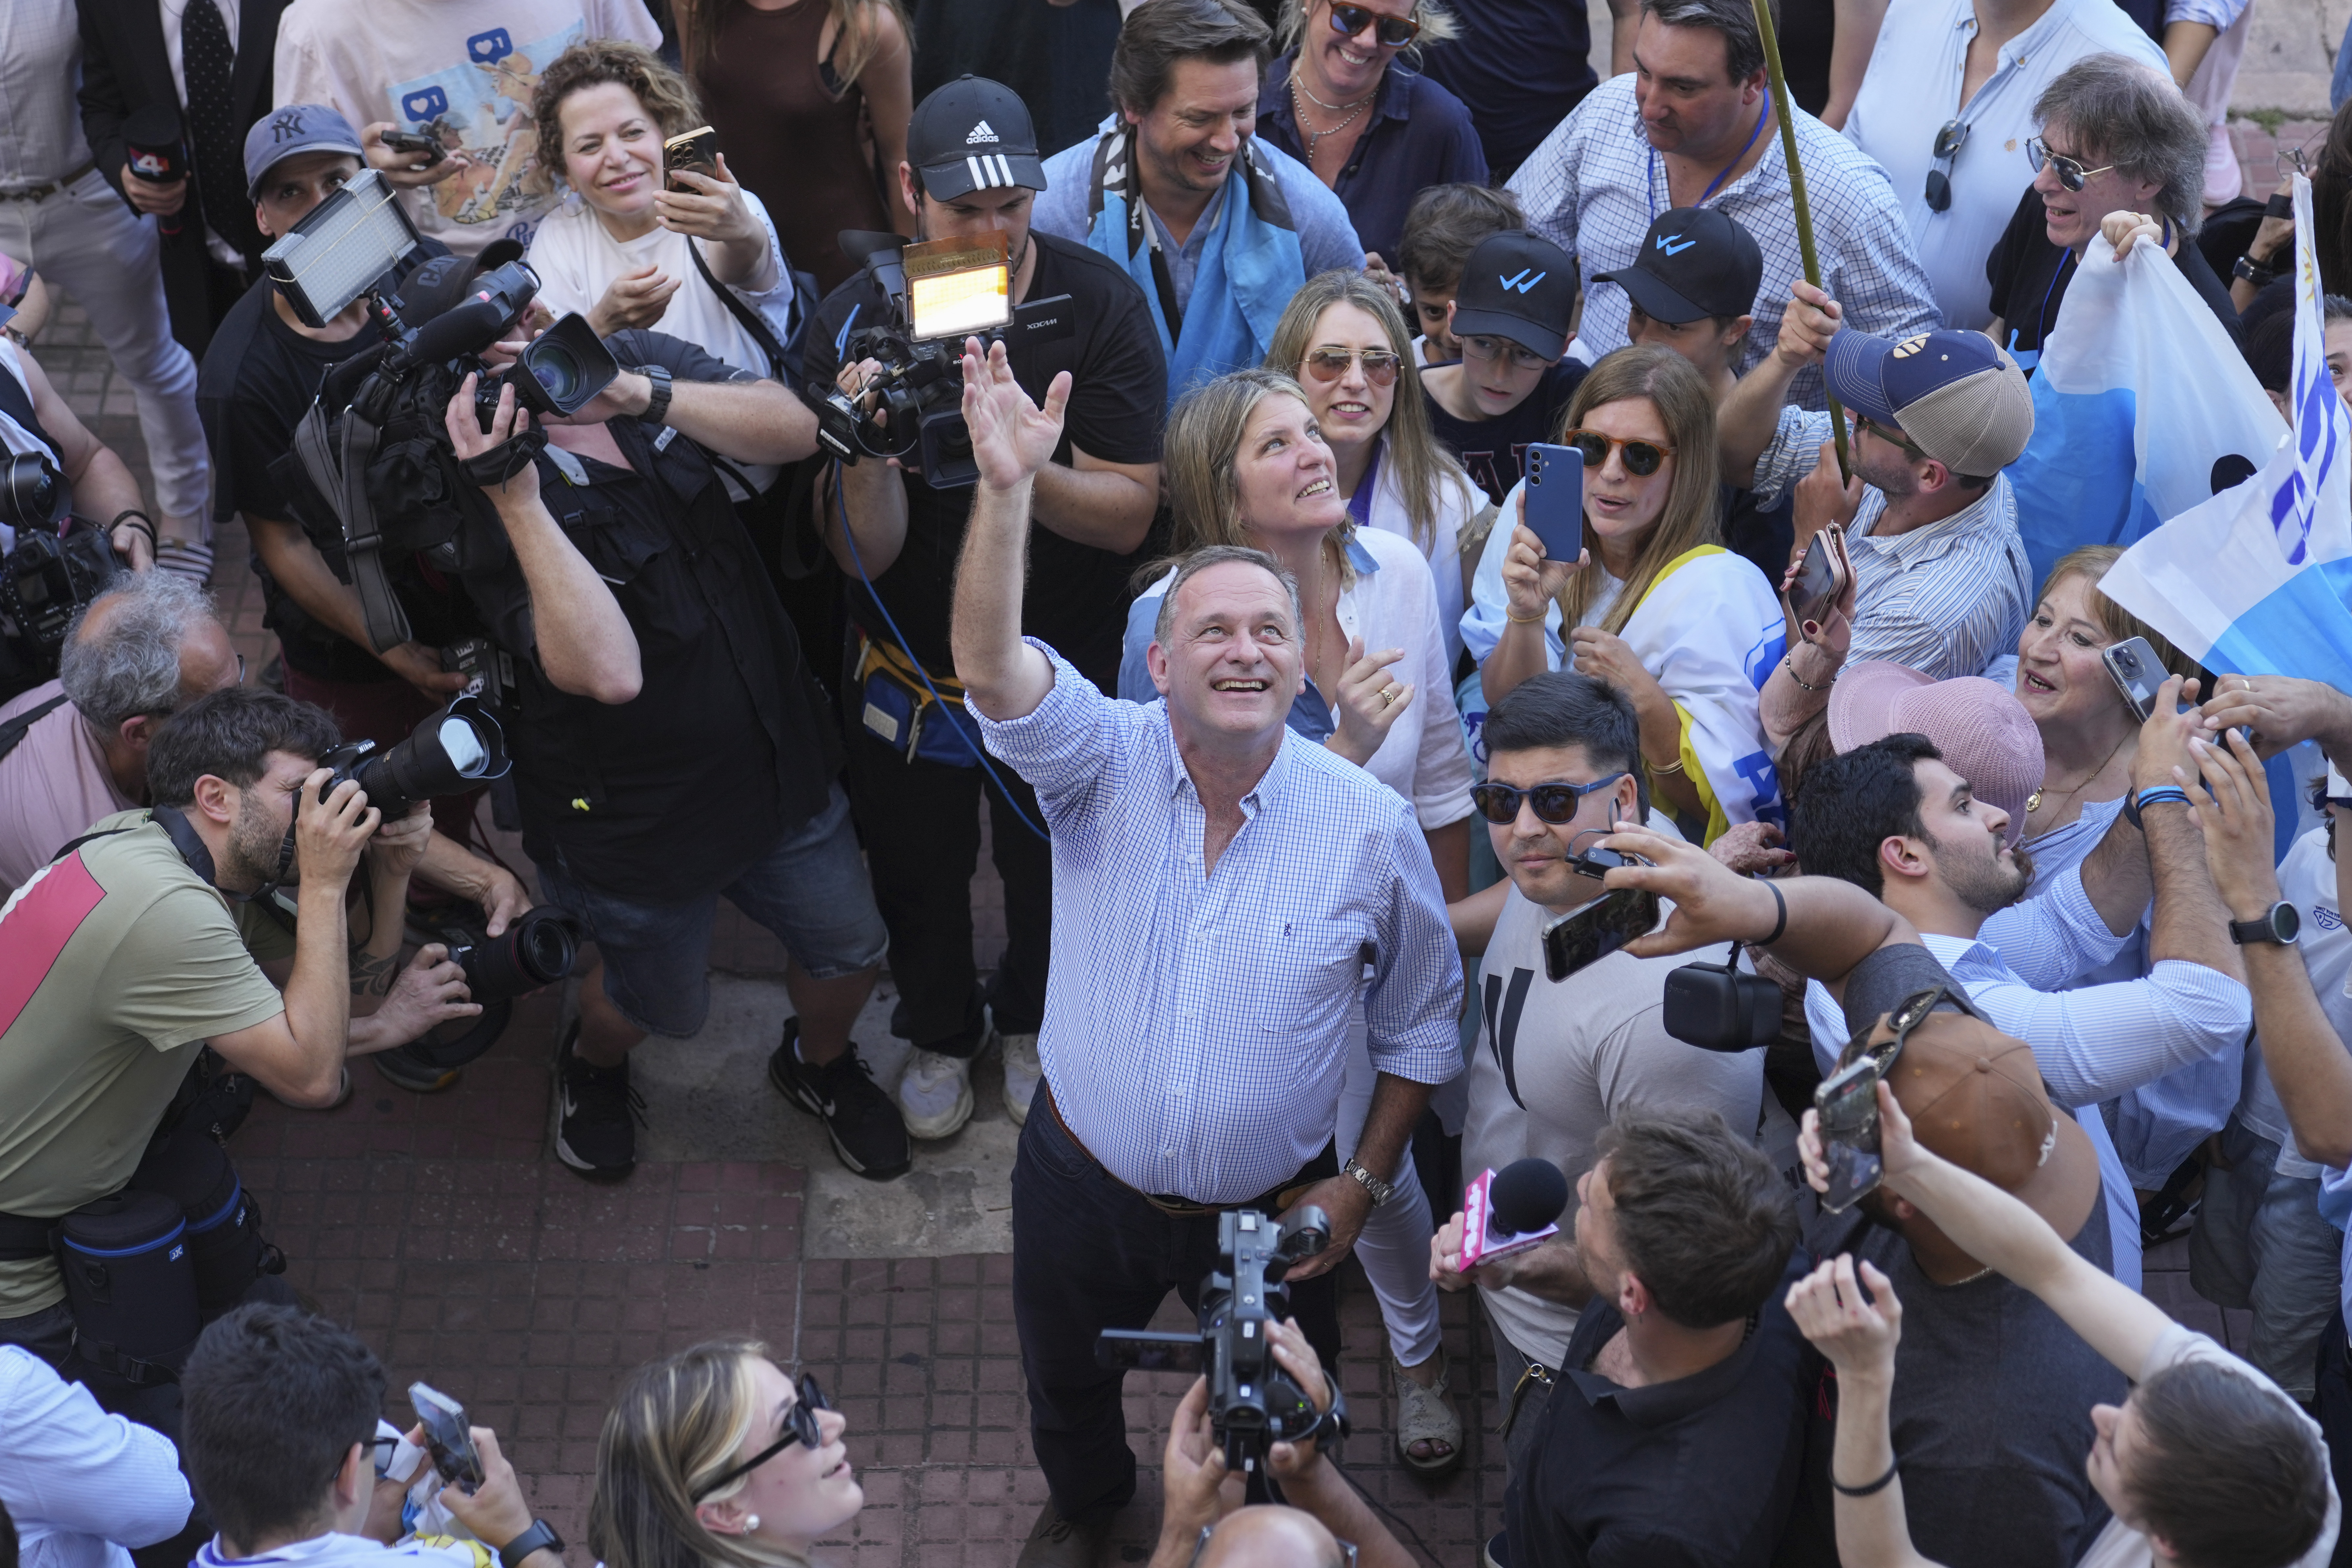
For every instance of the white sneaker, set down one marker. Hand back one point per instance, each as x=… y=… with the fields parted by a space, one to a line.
x=935 y=1096
x=1021 y=1075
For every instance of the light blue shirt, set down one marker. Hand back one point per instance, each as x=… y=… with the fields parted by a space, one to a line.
x=1196 y=1025
x=1912 y=90
x=1325 y=238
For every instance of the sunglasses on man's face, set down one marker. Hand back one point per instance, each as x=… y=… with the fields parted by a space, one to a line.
x=1643 y=459
x=2071 y=172
x=1888 y=433
x=1396 y=32
x=1948 y=142
x=1330 y=365
x=800 y=1426
x=1554 y=802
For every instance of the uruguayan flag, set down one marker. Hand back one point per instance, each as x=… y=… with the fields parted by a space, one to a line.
x=2256 y=580
x=2142 y=409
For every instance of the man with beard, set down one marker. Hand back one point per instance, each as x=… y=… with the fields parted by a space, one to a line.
x=124 y=960
x=1895 y=818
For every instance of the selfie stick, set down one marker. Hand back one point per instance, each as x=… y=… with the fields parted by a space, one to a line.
x=1796 y=191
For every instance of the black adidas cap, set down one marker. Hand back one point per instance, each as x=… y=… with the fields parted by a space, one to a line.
x=972 y=134
x=1694 y=262
x=1519 y=286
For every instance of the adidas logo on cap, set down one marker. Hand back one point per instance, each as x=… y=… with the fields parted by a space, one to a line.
x=980 y=132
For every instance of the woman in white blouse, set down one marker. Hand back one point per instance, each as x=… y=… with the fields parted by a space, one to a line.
x=1247 y=464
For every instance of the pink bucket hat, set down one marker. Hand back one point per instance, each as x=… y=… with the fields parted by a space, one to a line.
x=1984 y=732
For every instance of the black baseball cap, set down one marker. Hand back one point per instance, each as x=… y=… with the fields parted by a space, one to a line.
x=1694 y=262
x=1519 y=286
x=972 y=134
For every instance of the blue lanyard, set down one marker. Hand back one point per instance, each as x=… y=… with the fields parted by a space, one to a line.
x=1359 y=505
x=1726 y=169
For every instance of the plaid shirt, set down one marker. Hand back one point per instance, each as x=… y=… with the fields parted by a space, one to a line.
x=1196 y=1023
x=1595 y=186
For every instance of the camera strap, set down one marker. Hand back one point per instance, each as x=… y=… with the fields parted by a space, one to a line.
x=13 y=731
x=341 y=477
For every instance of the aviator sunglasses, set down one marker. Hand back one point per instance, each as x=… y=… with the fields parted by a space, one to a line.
x=1643 y=459
x=800 y=1426
x=1330 y=365
x=1554 y=802
x=1948 y=142
x=1396 y=32
x=2071 y=172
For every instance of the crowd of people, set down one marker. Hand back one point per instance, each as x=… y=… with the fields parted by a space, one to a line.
x=1436 y=533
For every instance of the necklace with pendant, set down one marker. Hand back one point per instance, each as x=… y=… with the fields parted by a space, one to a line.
x=2033 y=801
x=1315 y=136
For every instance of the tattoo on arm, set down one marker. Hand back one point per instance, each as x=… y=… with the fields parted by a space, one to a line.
x=372 y=976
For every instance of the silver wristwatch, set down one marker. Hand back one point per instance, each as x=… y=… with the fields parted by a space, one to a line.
x=1380 y=1191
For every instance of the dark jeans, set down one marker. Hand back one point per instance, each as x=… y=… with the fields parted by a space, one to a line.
x=2334 y=1399
x=1089 y=1254
x=920 y=822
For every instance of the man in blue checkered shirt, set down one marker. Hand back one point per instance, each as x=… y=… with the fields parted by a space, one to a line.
x=1692 y=125
x=1224 y=894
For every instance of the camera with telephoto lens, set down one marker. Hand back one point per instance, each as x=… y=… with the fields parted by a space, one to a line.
x=538 y=948
x=51 y=573
x=1252 y=1401
x=453 y=750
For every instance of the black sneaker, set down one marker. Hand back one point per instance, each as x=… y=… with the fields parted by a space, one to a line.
x=867 y=1132
x=596 y=1115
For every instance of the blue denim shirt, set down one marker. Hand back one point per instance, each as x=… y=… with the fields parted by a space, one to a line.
x=1420 y=135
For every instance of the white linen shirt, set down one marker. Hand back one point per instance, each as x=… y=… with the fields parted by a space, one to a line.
x=1595 y=183
x=81 y=1484
x=1196 y=1027
x=1913 y=89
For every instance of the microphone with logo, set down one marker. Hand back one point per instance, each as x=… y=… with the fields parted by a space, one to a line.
x=157 y=152
x=1510 y=1211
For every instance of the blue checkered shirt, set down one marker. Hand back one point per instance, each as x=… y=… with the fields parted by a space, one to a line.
x=1595 y=184
x=1196 y=1025
x=1945 y=600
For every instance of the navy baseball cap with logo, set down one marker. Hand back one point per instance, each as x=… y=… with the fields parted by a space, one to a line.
x=1694 y=262
x=1519 y=286
x=974 y=134
x=1956 y=395
x=297 y=128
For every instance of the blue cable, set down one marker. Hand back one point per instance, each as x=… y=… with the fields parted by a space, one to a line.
x=978 y=752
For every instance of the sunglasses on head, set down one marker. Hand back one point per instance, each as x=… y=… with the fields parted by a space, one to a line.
x=1554 y=802
x=1330 y=365
x=800 y=1426
x=1909 y=1014
x=2071 y=172
x=1948 y=142
x=1396 y=32
x=1643 y=459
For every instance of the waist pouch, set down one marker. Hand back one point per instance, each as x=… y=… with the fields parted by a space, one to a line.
x=131 y=1285
x=899 y=710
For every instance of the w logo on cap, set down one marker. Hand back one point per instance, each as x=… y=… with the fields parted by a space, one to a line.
x=980 y=132
x=1675 y=243
x=1513 y=280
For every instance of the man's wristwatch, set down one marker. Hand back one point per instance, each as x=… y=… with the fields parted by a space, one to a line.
x=1381 y=1190
x=2278 y=924
x=540 y=1534
x=657 y=408
x=2253 y=272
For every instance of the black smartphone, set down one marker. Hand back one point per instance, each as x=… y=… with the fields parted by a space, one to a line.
x=1818 y=581
x=1847 y=1101
x=1598 y=862
x=447 y=1437
x=1585 y=936
x=696 y=149
x=417 y=142
x=1143 y=1350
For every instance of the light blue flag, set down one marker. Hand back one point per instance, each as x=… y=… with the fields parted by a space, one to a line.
x=2142 y=409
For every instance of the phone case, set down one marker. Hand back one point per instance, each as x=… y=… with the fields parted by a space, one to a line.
x=1556 y=500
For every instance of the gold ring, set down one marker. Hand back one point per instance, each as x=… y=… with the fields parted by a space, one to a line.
x=1388 y=695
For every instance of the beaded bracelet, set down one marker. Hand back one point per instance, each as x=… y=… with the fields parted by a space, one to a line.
x=1787 y=664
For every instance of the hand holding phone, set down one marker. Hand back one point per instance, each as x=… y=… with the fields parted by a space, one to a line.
x=1820 y=579
x=1553 y=506
x=696 y=149
x=447 y=1436
x=1847 y=1107
x=1587 y=935
x=417 y=142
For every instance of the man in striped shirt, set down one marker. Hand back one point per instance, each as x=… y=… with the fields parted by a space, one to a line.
x=1224 y=894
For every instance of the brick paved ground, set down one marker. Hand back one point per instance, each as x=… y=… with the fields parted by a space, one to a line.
x=440 y=1230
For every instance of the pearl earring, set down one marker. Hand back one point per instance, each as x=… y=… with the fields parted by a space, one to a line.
x=751 y=1523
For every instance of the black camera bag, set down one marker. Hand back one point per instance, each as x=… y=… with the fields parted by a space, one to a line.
x=224 y=1239
x=132 y=1285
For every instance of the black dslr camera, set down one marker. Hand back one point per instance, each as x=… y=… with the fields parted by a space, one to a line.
x=1252 y=1403
x=940 y=292
x=49 y=575
x=460 y=746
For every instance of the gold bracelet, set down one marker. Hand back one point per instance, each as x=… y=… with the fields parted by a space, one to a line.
x=1675 y=768
x=1525 y=620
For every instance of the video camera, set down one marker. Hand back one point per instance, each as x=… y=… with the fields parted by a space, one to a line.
x=373 y=472
x=50 y=575
x=1252 y=1403
x=942 y=291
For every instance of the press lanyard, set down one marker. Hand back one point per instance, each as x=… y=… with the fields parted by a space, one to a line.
x=1720 y=177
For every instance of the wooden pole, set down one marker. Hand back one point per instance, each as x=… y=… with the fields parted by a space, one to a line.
x=1780 y=109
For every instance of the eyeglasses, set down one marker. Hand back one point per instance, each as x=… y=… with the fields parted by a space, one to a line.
x=1554 y=802
x=1330 y=365
x=1487 y=350
x=1396 y=32
x=2071 y=172
x=1347 y=1548
x=1889 y=434
x=380 y=1450
x=1948 y=142
x=1643 y=459
x=800 y=1426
